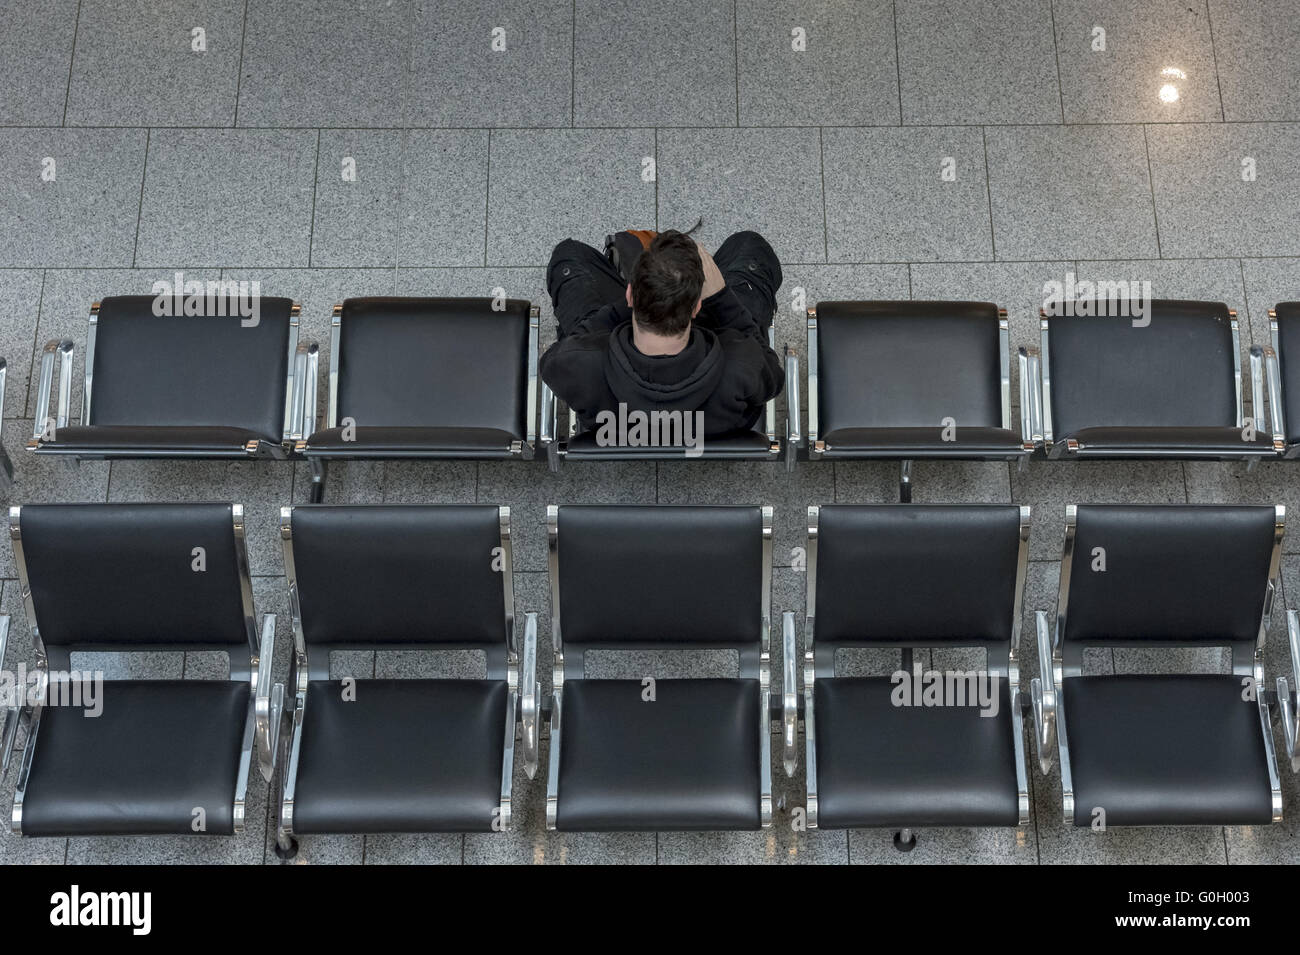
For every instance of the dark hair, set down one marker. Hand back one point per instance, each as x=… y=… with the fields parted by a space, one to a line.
x=666 y=283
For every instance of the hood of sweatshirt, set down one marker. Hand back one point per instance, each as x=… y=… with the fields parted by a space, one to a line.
x=681 y=382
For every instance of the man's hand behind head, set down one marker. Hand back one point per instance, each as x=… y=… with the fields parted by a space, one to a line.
x=713 y=280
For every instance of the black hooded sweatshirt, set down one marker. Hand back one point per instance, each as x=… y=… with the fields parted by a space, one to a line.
x=726 y=369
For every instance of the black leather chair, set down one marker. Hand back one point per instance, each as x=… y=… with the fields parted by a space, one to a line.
x=911 y=576
x=656 y=577
x=1168 y=386
x=1283 y=378
x=6 y=463
x=1172 y=748
x=426 y=378
x=163 y=756
x=176 y=385
x=755 y=445
x=406 y=755
x=908 y=380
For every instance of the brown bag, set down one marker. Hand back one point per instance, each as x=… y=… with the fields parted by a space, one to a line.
x=624 y=248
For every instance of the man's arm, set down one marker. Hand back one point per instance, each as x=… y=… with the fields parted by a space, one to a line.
x=574 y=369
x=720 y=308
x=602 y=321
x=725 y=311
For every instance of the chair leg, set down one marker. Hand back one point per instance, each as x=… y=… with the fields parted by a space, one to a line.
x=317 y=480
x=905 y=483
x=286 y=846
x=904 y=840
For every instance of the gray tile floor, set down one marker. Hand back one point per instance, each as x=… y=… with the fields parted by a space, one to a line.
x=482 y=133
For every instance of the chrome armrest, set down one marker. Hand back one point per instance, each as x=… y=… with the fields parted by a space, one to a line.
x=1042 y=691
x=550 y=437
x=789 y=695
x=308 y=403
x=6 y=465
x=295 y=399
x=1288 y=708
x=268 y=705
x=1276 y=413
x=530 y=695
x=793 y=412
x=14 y=709
x=1031 y=411
x=1256 y=359
x=550 y=415
x=64 y=351
x=530 y=429
x=771 y=404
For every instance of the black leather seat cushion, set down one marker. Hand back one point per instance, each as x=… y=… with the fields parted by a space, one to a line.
x=434 y=363
x=739 y=445
x=191 y=371
x=139 y=440
x=404 y=756
x=1288 y=358
x=375 y=442
x=884 y=765
x=877 y=365
x=158 y=751
x=1166 y=750
x=1121 y=441
x=1176 y=372
x=688 y=760
x=922 y=443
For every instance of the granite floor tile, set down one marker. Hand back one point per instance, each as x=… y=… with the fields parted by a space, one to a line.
x=955 y=64
x=1257 y=49
x=499 y=64
x=1153 y=64
x=544 y=186
x=1071 y=192
x=741 y=179
x=1226 y=189
x=906 y=195
x=35 y=56
x=175 y=63
x=841 y=70
x=332 y=63
x=231 y=198
x=72 y=195
x=680 y=72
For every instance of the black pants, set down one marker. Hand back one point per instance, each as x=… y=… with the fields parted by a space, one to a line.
x=581 y=280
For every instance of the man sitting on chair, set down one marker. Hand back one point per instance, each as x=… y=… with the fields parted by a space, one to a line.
x=682 y=332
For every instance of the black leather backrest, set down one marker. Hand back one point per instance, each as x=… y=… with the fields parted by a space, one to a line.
x=124 y=574
x=896 y=573
x=1190 y=573
x=400 y=573
x=1288 y=346
x=434 y=363
x=661 y=575
x=1178 y=371
x=183 y=370
x=908 y=364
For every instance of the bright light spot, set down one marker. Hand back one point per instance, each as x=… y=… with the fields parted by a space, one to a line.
x=1169 y=93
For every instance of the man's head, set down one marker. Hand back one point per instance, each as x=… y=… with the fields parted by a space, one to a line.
x=666 y=285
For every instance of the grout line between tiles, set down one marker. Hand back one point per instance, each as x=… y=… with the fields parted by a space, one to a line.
x=72 y=64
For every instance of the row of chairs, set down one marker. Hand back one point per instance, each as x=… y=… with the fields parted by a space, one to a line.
x=416 y=755
x=456 y=378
